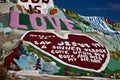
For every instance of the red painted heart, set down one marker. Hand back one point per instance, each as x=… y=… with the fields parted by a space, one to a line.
x=79 y=51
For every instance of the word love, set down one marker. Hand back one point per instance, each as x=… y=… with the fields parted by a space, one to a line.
x=78 y=51
x=54 y=21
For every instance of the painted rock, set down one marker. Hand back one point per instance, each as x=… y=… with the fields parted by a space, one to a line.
x=79 y=51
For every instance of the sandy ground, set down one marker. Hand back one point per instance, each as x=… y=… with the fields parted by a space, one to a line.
x=34 y=75
x=4 y=39
x=5 y=7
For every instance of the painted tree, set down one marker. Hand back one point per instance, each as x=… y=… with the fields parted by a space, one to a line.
x=37 y=65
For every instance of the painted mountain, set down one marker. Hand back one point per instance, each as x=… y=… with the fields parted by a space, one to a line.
x=57 y=42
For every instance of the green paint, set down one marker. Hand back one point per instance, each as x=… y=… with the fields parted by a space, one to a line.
x=24 y=20
x=1 y=25
x=114 y=64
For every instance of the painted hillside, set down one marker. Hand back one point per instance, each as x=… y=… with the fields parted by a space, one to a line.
x=49 y=43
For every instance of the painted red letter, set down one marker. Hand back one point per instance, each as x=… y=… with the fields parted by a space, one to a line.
x=45 y=1
x=24 y=0
x=35 y=1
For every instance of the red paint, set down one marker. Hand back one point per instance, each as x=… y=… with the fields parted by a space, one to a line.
x=10 y=59
x=53 y=11
x=108 y=21
x=36 y=1
x=80 y=43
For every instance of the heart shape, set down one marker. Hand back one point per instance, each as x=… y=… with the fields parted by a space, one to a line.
x=77 y=50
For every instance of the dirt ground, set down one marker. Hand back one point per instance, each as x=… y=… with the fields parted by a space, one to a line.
x=4 y=39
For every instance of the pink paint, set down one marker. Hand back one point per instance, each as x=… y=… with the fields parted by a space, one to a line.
x=56 y=23
x=70 y=26
x=14 y=22
x=34 y=23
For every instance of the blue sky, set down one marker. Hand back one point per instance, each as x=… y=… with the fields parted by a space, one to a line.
x=107 y=8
